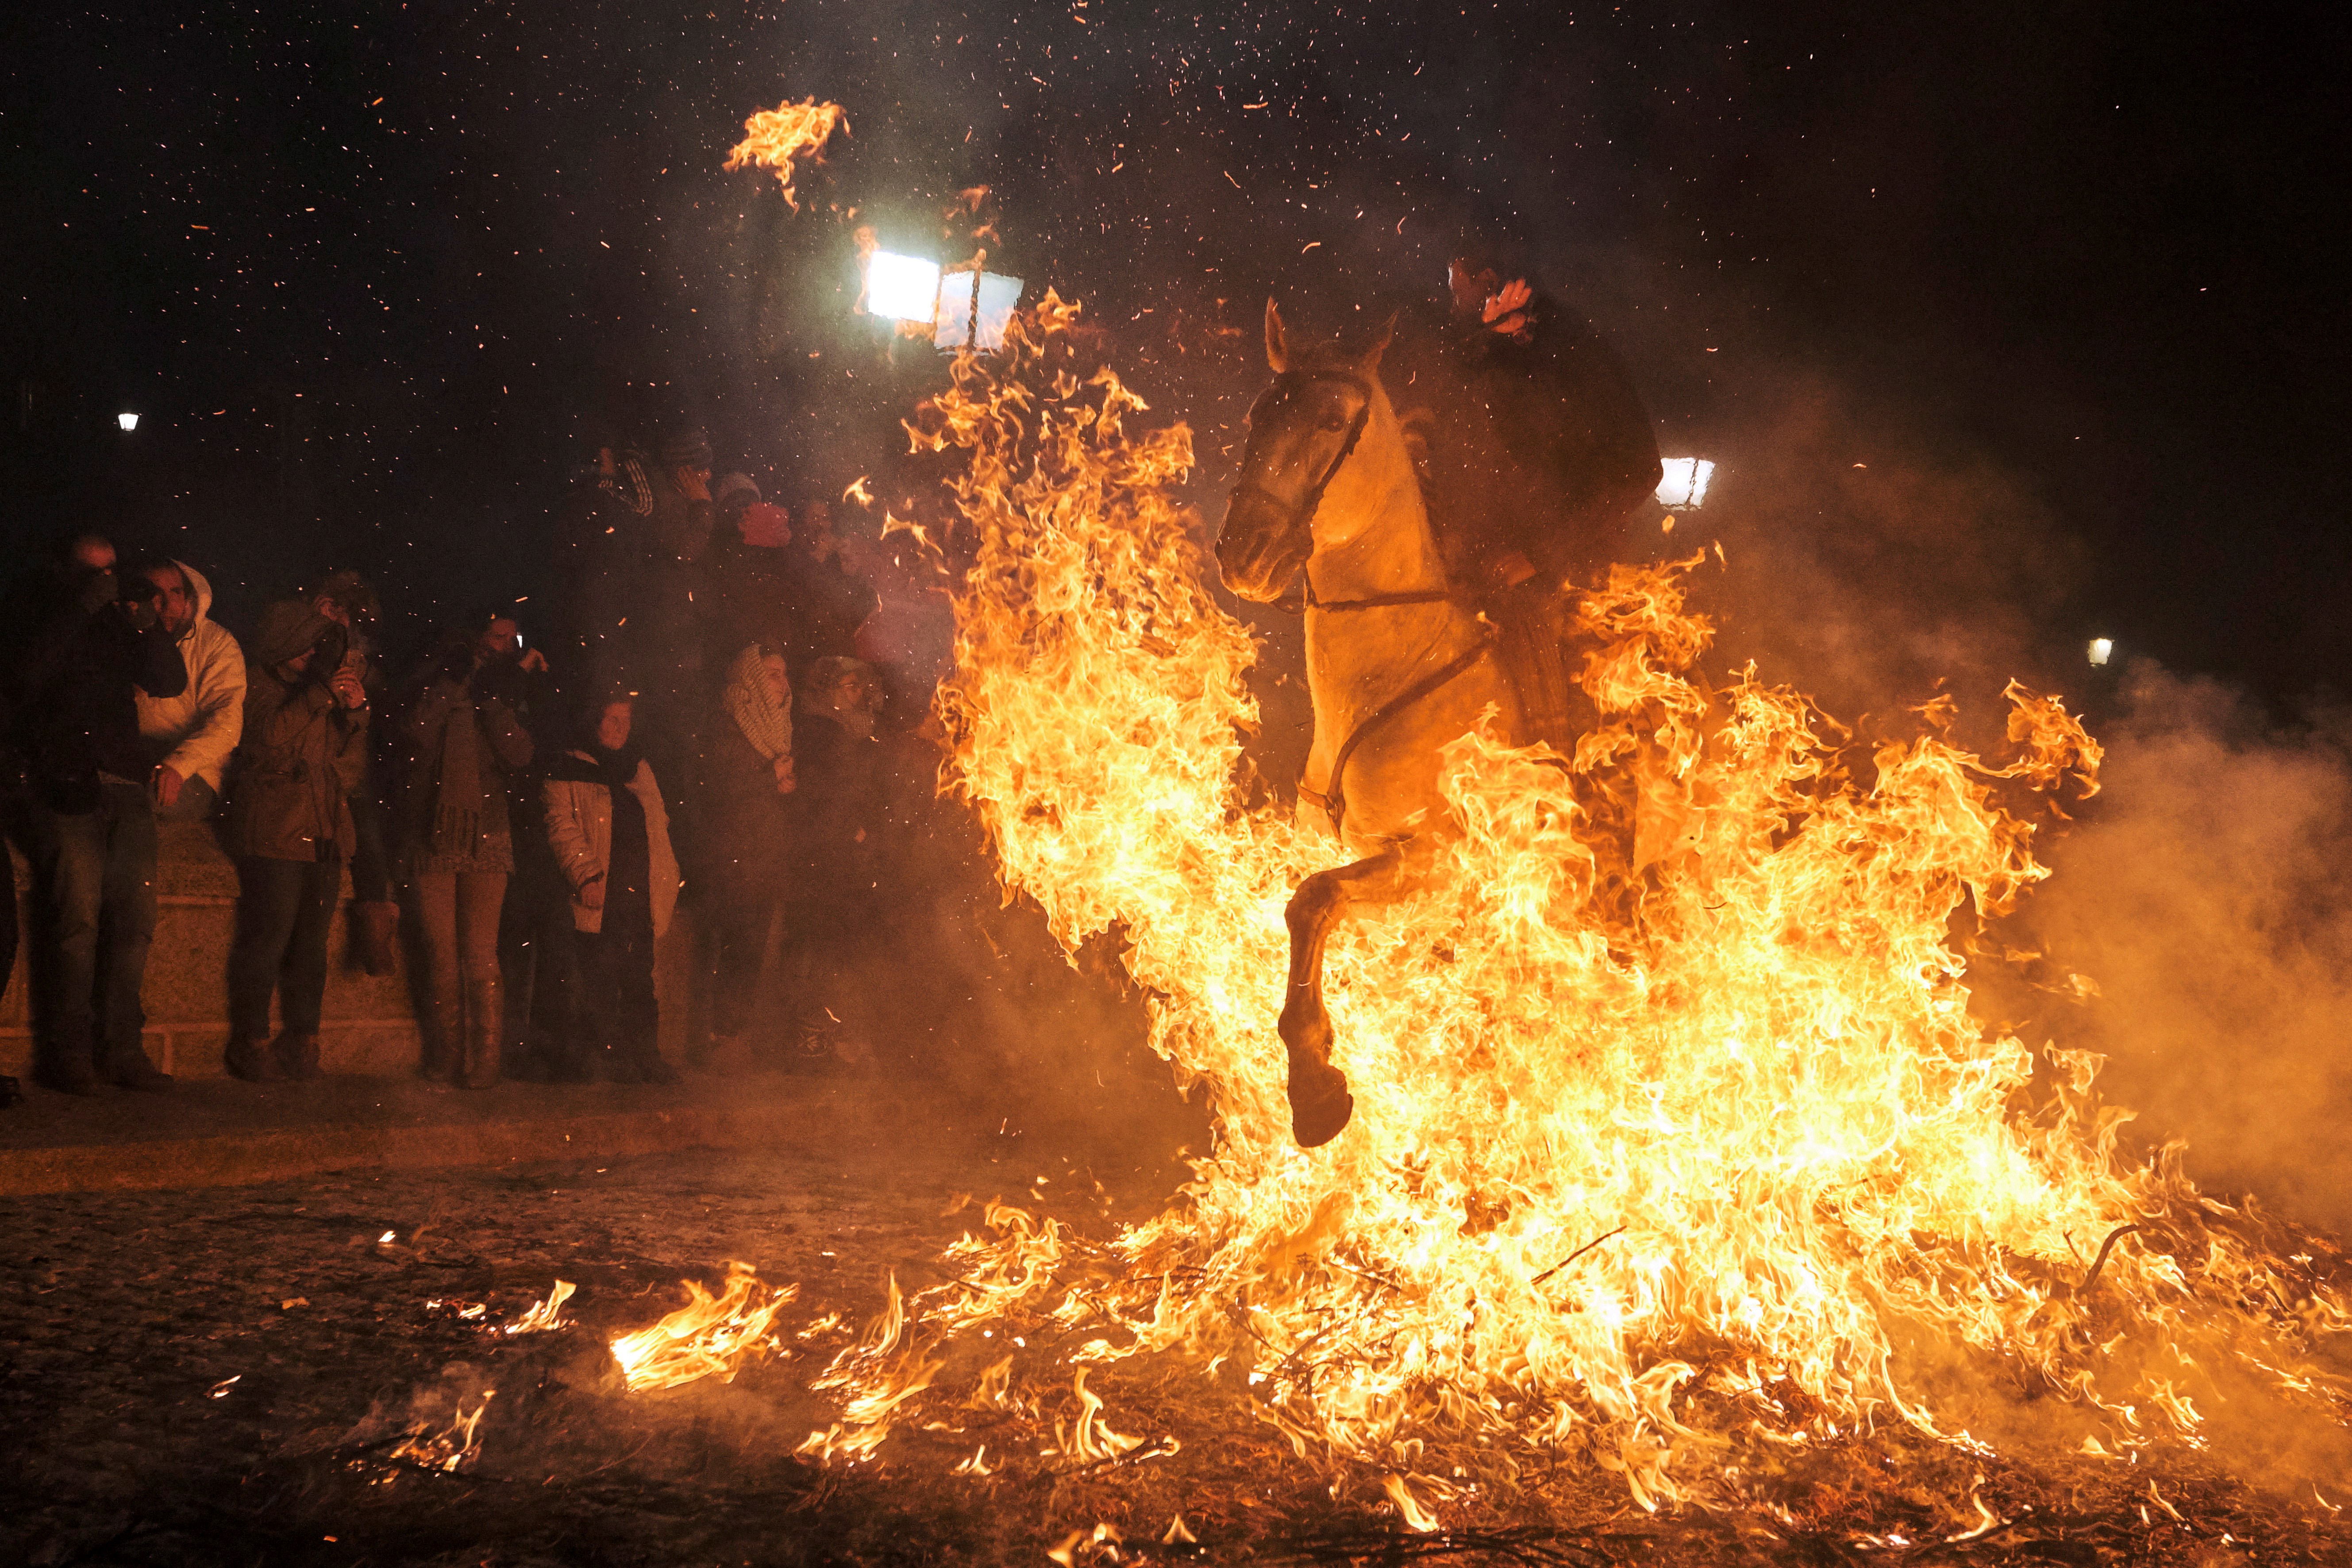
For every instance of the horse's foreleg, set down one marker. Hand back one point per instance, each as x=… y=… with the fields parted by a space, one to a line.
x=1319 y=1101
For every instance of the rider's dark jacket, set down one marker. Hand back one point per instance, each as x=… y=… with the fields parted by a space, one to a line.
x=1539 y=444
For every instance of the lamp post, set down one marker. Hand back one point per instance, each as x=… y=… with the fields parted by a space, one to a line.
x=127 y=421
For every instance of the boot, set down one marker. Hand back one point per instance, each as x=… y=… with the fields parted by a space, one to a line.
x=484 y=1023
x=253 y=1061
x=135 y=1069
x=374 y=925
x=441 y=1031
x=297 y=1051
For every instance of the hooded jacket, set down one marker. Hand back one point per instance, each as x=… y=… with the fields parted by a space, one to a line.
x=194 y=732
x=301 y=753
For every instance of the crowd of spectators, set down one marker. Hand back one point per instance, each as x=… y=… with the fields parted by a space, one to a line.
x=699 y=729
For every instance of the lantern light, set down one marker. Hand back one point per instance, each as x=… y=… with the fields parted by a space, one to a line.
x=128 y=421
x=1684 y=485
x=906 y=287
x=2102 y=649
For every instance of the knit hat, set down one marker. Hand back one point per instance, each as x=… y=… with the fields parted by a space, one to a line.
x=766 y=527
x=733 y=484
x=687 y=449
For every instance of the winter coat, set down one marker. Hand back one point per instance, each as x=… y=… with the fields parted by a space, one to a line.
x=194 y=732
x=745 y=829
x=580 y=832
x=1541 y=446
x=75 y=686
x=434 y=835
x=301 y=753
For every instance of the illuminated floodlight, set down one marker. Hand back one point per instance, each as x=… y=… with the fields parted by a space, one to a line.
x=1685 y=484
x=974 y=314
x=128 y=421
x=906 y=287
x=2102 y=650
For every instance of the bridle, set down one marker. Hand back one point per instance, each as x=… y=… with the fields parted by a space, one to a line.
x=1333 y=799
x=1302 y=513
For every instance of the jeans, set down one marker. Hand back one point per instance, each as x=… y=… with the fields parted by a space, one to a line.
x=457 y=917
x=97 y=904
x=284 y=911
x=371 y=864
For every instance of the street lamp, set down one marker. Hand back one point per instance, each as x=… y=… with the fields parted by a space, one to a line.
x=965 y=309
x=127 y=420
x=1683 y=485
x=2102 y=650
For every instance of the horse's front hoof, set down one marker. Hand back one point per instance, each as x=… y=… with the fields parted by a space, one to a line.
x=1320 y=1104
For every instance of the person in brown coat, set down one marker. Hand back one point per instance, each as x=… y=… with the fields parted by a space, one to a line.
x=290 y=830
x=465 y=747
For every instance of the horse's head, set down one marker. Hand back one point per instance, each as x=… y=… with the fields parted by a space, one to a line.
x=1302 y=430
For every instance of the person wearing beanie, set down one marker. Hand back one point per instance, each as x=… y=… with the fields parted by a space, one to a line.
x=289 y=831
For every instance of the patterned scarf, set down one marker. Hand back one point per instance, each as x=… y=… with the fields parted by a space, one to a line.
x=767 y=725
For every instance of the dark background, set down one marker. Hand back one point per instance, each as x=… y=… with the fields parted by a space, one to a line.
x=2065 y=279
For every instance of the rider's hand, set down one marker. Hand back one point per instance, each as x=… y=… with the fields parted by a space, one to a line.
x=1512 y=569
x=533 y=660
x=166 y=785
x=592 y=895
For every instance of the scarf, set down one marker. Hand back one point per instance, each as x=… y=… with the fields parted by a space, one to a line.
x=767 y=725
x=463 y=807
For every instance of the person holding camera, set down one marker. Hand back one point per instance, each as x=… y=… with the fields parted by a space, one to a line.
x=465 y=750
x=290 y=831
x=98 y=643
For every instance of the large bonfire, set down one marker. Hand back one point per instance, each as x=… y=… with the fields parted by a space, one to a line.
x=1634 y=1165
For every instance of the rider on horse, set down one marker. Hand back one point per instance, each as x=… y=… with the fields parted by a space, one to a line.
x=1537 y=460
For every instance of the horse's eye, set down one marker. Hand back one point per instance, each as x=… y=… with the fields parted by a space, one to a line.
x=1333 y=423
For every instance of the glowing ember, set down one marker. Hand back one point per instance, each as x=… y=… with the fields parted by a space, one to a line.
x=1751 y=1067
x=773 y=138
x=709 y=1336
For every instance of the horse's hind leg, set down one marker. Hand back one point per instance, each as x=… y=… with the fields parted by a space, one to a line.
x=1319 y=1101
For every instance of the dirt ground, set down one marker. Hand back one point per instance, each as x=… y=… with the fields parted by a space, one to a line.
x=219 y=1377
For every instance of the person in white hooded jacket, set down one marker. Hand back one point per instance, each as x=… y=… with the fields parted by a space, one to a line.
x=189 y=737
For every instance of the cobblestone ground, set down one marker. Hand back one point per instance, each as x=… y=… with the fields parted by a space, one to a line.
x=217 y=1377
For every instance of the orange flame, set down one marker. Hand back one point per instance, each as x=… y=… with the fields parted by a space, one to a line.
x=453 y=1448
x=1626 y=1170
x=773 y=138
x=709 y=1336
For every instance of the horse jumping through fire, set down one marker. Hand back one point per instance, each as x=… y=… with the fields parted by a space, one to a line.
x=1399 y=659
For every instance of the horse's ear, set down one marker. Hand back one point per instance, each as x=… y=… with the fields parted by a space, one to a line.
x=1277 y=343
x=1387 y=332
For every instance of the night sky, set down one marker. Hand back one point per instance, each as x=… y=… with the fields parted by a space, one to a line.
x=2067 y=280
